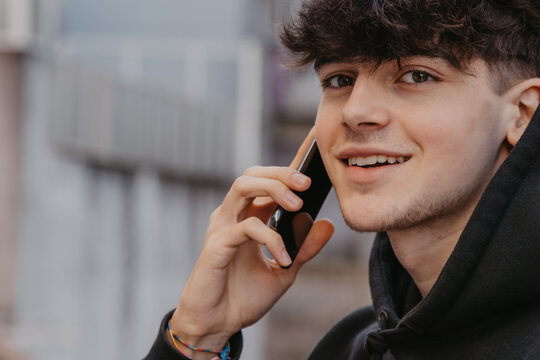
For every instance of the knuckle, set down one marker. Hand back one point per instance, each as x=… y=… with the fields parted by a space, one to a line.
x=217 y=237
x=237 y=181
x=291 y=171
x=249 y=226
x=272 y=185
x=214 y=214
x=211 y=240
x=253 y=170
x=239 y=184
x=275 y=240
x=252 y=221
x=283 y=192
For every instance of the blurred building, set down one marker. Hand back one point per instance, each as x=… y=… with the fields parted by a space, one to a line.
x=122 y=124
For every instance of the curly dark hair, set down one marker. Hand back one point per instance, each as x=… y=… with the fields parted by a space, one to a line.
x=504 y=33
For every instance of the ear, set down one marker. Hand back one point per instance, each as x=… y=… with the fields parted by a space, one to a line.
x=524 y=99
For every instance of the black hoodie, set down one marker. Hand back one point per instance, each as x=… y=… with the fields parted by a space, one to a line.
x=486 y=301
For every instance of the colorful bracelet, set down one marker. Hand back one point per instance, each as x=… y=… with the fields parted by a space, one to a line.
x=223 y=354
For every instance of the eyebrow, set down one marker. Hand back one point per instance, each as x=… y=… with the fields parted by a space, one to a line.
x=326 y=62
x=370 y=66
x=399 y=61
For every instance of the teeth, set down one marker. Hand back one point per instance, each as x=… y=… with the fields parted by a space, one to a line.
x=374 y=159
x=371 y=160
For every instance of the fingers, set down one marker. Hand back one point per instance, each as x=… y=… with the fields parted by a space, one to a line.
x=256 y=230
x=246 y=188
x=273 y=182
x=262 y=207
x=241 y=217
x=250 y=229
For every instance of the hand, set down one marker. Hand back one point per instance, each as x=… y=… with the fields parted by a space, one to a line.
x=233 y=284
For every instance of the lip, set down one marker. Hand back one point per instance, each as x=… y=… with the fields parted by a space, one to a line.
x=352 y=151
x=359 y=175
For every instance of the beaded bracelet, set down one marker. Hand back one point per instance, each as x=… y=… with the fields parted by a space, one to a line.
x=223 y=354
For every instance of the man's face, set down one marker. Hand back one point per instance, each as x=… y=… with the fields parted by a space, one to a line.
x=406 y=147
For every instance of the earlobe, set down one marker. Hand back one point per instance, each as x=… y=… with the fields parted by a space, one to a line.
x=526 y=99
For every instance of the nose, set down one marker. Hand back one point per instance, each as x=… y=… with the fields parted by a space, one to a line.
x=366 y=108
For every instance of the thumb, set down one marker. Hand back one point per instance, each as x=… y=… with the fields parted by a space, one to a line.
x=321 y=231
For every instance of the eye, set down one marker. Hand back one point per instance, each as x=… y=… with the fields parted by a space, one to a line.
x=416 y=77
x=338 y=81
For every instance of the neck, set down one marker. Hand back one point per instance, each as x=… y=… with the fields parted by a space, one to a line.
x=424 y=250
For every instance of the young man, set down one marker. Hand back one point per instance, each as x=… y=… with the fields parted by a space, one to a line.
x=428 y=131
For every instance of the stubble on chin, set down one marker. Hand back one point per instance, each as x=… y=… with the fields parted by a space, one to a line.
x=418 y=212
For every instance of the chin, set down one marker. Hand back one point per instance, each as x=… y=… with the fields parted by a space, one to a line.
x=376 y=214
x=365 y=222
x=406 y=215
x=365 y=227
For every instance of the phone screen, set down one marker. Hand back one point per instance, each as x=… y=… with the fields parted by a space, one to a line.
x=294 y=226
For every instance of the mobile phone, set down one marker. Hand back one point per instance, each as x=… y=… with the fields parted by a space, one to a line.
x=294 y=226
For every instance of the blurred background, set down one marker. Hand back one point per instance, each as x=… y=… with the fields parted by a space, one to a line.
x=122 y=125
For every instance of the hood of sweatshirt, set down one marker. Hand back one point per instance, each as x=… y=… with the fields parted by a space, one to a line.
x=493 y=272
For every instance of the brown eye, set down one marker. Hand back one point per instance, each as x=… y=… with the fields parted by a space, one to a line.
x=338 y=81
x=416 y=77
x=420 y=77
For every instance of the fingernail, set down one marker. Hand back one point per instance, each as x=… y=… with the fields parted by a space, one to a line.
x=285 y=258
x=300 y=179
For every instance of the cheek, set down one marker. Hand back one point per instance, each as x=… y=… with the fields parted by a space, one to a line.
x=457 y=150
x=459 y=130
x=322 y=134
x=326 y=124
x=328 y=129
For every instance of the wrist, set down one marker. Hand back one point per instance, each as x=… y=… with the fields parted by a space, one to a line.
x=197 y=347
x=189 y=353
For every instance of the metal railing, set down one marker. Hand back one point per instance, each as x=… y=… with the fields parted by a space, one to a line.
x=122 y=118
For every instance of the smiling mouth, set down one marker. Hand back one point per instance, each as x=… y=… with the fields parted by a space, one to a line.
x=375 y=161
